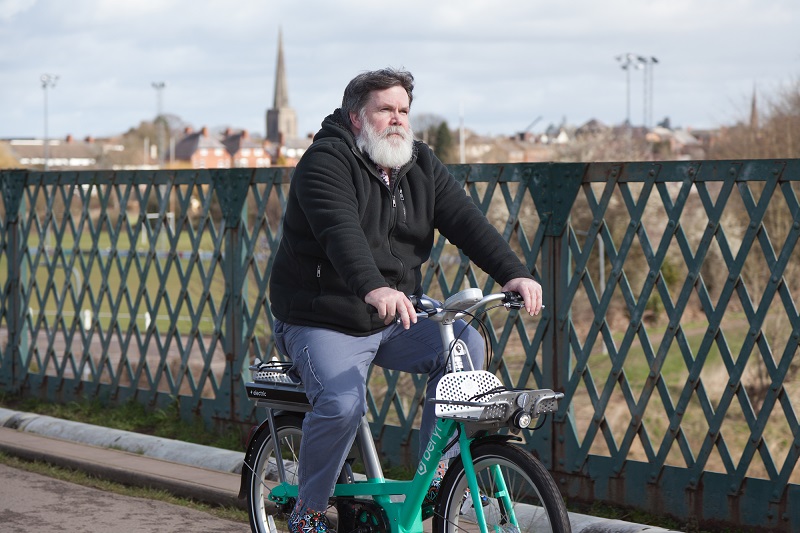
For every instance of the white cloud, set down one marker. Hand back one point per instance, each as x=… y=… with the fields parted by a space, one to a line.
x=10 y=8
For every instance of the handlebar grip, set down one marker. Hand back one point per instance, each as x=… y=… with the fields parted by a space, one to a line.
x=423 y=304
x=513 y=298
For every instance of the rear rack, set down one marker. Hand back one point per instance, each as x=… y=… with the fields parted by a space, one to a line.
x=272 y=387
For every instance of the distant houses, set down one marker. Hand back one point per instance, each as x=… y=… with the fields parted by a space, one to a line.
x=246 y=151
x=190 y=148
x=201 y=149
x=237 y=148
x=60 y=153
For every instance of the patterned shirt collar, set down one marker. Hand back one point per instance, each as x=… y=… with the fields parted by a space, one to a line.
x=386 y=177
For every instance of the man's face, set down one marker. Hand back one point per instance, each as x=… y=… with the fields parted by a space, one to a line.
x=385 y=108
x=382 y=130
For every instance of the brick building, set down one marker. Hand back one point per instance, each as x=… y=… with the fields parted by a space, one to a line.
x=200 y=149
x=245 y=151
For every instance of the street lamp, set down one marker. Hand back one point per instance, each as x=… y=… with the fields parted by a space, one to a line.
x=48 y=81
x=159 y=87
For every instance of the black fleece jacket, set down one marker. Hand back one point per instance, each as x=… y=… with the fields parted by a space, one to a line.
x=346 y=233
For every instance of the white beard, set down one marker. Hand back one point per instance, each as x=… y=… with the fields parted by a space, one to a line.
x=384 y=148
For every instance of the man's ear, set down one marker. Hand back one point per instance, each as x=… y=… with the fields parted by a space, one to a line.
x=355 y=120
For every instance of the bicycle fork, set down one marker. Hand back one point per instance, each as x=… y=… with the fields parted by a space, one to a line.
x=499 y=487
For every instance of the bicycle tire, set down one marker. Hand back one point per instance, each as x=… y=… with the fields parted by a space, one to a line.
x=535 y=498
x=262 y=514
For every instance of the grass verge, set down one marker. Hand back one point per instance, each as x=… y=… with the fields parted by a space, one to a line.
x=132 y=416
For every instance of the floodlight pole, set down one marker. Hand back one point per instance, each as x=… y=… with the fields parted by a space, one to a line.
x=159 y=122
x=628 y=61
x=649 y=63
x=48 y=81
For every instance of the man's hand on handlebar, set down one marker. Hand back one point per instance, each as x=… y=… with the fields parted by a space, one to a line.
x=530 y=291
x=392 y=305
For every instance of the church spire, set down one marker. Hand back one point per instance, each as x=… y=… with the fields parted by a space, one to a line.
x=754 y=110
x=281 y=119
x=281 y=92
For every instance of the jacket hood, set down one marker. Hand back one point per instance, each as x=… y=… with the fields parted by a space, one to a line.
x=336 y=125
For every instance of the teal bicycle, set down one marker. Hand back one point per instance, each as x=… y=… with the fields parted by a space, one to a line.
x=493 y=485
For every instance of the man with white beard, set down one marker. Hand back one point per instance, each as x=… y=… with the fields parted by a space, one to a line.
x=363 y=205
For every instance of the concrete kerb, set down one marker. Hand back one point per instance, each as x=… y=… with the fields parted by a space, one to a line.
x=147 y=445
x=214 y=459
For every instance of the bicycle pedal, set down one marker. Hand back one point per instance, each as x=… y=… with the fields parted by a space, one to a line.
x=467 y=503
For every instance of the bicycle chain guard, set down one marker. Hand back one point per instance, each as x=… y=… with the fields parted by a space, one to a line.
x=361 y=516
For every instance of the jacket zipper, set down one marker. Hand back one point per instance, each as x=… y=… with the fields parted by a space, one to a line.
x=392 y=227
x=374 y=173
x=402 y=202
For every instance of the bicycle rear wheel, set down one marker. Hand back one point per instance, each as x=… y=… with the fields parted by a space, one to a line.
x=264 y=517
x=518 y=495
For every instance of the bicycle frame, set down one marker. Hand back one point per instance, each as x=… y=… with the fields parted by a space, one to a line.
x=403 y=516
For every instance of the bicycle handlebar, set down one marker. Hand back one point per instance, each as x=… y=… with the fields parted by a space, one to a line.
x=463 y=303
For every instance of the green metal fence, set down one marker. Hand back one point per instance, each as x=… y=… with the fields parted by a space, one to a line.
x=670 y=325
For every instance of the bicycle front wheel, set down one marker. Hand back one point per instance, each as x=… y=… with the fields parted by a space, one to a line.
x=517 y=494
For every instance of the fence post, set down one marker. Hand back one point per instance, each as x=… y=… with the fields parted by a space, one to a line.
x=231 y=187
x=555 y=188
x=12 y=368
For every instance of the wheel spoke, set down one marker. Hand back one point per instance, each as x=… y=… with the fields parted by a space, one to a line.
x=517 y=495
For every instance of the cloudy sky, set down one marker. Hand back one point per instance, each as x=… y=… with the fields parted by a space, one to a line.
x=501 y=64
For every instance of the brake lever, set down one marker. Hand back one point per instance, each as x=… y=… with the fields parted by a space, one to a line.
x=514 y=300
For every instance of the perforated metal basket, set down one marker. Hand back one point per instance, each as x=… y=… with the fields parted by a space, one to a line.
x=466 y=396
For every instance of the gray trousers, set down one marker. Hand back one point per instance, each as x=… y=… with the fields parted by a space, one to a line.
x=333 y=366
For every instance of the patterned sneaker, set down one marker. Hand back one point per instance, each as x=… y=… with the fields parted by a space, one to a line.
x=429 y=502
x=309 y=522
x=484 y=498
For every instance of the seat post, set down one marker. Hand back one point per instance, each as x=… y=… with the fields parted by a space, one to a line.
x=369 y=454
x=276 y=446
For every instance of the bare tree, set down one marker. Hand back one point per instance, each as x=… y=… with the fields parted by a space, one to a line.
x=7 y=160
x=608 y=145
x=774 y=135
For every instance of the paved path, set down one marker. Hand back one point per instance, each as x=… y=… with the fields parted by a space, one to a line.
x=32 y=502
x=135 y=469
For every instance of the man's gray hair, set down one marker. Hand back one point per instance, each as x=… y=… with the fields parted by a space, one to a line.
x=357 y=92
